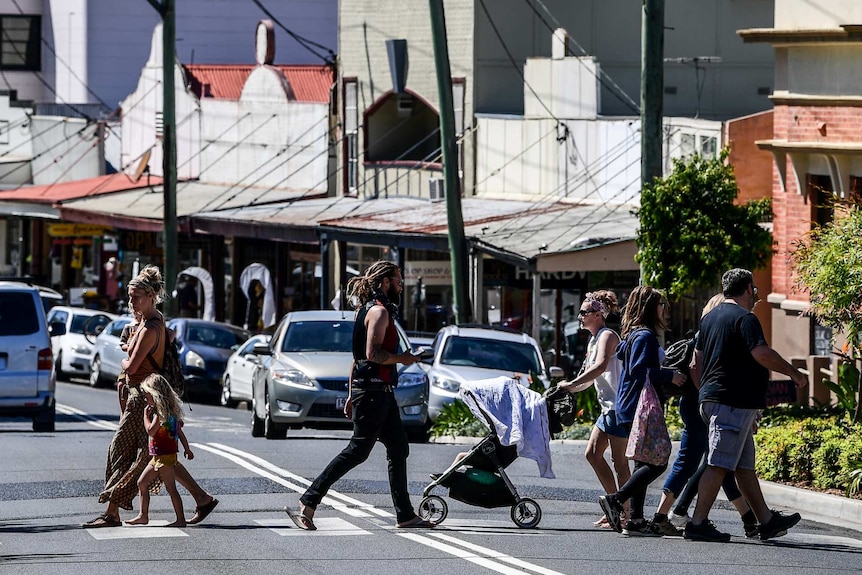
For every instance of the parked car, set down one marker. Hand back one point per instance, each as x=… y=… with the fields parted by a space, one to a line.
x=463 y=354
x=305 y=376
x=73 y=350
x=107 y=355
x=241 y=365
x=204 y=348
x=27 y=378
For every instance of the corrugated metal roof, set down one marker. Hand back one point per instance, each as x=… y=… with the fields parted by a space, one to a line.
x=77 y=189
x=225 y=81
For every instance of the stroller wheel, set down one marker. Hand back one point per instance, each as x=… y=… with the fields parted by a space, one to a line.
x=433 y=509
x=526 y=513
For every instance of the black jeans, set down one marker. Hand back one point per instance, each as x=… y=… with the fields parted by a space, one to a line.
x=636 y=487
x=375 y=417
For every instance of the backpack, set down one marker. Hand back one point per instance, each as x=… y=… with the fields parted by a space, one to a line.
x=171 y=369
x=678 y=356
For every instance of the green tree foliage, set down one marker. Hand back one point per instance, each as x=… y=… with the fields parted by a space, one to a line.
x=691 y=231
x=828 y=264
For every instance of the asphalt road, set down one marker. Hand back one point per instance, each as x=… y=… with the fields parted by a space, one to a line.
x=49 y=485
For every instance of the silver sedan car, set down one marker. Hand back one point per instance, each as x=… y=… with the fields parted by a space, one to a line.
x=304 y=376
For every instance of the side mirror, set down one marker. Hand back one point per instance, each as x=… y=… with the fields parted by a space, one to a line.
x=556 y=371
x=261 y=349
x=424 y=353
x=56 y=328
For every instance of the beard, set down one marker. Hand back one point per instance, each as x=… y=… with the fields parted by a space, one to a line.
x=392 y=295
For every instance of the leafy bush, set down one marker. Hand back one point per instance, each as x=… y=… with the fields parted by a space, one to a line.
x=819 y=451
x=456 y=419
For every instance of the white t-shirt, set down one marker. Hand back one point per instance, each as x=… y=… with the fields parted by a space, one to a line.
x=606 y=384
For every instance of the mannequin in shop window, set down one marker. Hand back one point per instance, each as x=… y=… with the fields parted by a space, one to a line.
x=254 y=310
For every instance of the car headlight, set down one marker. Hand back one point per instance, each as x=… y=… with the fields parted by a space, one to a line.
x=292 y=377
x=449 y=385
x=411 y=379
x=194 y=359
x=82 y=348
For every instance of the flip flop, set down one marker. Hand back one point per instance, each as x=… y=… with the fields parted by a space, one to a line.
x=416 y=523
x=203 y=511
x=300 y=520
x=102 y=521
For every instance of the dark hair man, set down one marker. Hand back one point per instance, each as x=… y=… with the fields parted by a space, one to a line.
x=370 y=401
x=732 y=362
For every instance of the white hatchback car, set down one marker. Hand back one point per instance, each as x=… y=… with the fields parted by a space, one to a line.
x=73 y=351
x=240 y=370
x=471 y=353
x=107 y=354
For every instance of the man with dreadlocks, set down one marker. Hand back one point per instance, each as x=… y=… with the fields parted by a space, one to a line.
x=370 y=402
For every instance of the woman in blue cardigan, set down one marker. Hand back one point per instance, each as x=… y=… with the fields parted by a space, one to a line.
x=641 y=357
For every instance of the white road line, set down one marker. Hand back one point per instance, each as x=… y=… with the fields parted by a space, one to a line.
x=301 y=480
x=482 y=556
x=154 y=529
x=499 y=556
x=326 y=527
x=281 y=481
x=86 y=417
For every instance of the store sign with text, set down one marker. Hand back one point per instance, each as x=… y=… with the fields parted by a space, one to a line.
x=432 y=273
x=75 y=230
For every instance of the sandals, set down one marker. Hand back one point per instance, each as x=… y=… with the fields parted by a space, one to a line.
x=300 y=520
x=104 y=520
x=203 y=511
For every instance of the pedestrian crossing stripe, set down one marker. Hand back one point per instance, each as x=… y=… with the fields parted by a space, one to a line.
x=152 y=530
x=326 y=527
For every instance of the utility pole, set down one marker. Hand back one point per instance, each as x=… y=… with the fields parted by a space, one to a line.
x=652 y=85
x=452 y=187
x=166 y=9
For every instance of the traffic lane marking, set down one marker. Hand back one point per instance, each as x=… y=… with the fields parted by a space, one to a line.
x=154 y=529
x=326 y=527
x=476 y=554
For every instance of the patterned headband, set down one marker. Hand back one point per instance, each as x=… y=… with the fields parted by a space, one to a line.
x=596 y=305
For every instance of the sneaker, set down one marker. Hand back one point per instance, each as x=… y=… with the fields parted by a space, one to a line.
x=778 y=525
x=678 y=521
x=665 y=528
x=706 y=531
x=752 y=530
x=640 y=528
x=613 y=510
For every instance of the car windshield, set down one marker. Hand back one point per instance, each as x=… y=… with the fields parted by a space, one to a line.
x=309 y=336
x=216 y=336
x=491 y=354
x=92 y=323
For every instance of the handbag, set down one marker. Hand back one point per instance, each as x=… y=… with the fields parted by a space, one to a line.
x=649 y=440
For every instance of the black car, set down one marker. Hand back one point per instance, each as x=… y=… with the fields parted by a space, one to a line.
x=205 y=347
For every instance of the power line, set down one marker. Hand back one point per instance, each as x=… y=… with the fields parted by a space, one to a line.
x=329 y=59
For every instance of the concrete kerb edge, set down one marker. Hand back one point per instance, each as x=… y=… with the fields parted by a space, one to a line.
x=819 y=507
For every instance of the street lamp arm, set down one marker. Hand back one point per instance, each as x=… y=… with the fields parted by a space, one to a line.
x=160 y=7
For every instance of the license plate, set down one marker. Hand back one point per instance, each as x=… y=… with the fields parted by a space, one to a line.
x=340 y=402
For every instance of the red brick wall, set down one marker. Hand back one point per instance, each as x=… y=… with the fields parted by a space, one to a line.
x=793 y=212
x=753 y=169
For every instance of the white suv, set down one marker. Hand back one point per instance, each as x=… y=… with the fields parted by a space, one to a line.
x=472 y=353
x=27 y=378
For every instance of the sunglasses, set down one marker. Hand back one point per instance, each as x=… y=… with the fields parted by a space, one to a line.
x=586 y=312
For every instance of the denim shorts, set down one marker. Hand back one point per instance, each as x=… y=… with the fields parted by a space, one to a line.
x=730 y=436
x=607 y=422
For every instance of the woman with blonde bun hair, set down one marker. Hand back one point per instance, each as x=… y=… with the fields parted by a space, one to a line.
x=127 y=454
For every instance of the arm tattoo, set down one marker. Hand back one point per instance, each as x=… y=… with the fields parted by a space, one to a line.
x=378 y=354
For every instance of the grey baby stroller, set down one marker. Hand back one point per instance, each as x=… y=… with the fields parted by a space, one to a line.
x=483 y=481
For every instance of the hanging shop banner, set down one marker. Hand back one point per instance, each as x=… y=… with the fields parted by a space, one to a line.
x=75 y=230
x=433 y=273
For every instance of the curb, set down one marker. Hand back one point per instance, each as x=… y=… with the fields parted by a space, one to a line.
x=812 y=505
x=819 y=507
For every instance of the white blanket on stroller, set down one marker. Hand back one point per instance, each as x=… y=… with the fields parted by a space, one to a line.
x=518 y=414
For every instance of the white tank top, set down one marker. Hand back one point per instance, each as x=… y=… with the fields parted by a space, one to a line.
x=606 y=384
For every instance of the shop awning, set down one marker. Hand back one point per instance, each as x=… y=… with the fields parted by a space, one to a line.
x=40 y=201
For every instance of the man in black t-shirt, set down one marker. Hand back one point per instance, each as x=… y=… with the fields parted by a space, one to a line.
x=732 y=362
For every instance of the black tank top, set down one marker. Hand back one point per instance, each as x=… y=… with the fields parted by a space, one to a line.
x=368 y=375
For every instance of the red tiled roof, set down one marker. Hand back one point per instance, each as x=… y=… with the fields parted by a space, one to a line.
x=225 y=81
x=78 y=189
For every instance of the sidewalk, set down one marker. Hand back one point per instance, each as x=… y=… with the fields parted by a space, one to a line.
x=814 y=506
